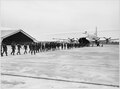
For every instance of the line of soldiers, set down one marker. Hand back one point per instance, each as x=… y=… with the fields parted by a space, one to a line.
x=50 y=46
x=37 y=47
x=4 y=49
x=41 y=47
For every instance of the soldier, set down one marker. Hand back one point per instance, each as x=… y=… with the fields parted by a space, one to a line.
x=40 y=46
x=37 y=47
x=43 y=47
x=33 y=47
x=30 y=48
x=1 y=50
x=19 y=47
x=4 y=49
x=13 y=48
x=62 y=46
x=25 y=47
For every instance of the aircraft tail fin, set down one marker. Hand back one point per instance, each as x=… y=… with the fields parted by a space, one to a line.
x=96 y=31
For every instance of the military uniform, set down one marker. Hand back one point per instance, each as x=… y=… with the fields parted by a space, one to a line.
x=25 y=47
x=4 y=46
x=19 y=47
x=13 y=49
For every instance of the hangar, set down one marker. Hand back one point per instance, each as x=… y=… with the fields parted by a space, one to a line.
x=17 y=36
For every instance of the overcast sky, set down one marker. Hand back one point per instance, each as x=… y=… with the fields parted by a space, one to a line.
x=39 y=17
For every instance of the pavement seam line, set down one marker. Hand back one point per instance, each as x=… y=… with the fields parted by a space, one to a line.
x=59 y=80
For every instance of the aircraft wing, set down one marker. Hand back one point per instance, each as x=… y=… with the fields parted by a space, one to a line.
x=110 y=39
x=115 y=39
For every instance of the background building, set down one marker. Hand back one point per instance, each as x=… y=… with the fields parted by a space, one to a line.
x=17 y=36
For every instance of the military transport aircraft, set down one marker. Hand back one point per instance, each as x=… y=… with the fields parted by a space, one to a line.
x=93 y=38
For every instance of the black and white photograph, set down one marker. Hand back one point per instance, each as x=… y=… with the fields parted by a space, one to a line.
x=59 y=44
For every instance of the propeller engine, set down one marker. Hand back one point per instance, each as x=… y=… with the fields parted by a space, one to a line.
x=107 y=40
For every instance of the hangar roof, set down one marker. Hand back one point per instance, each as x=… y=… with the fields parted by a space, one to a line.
x=7 y=33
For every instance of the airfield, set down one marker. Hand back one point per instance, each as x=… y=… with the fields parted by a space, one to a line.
x=77 y=68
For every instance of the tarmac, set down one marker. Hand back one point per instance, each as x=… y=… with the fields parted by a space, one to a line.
x=86 y=67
